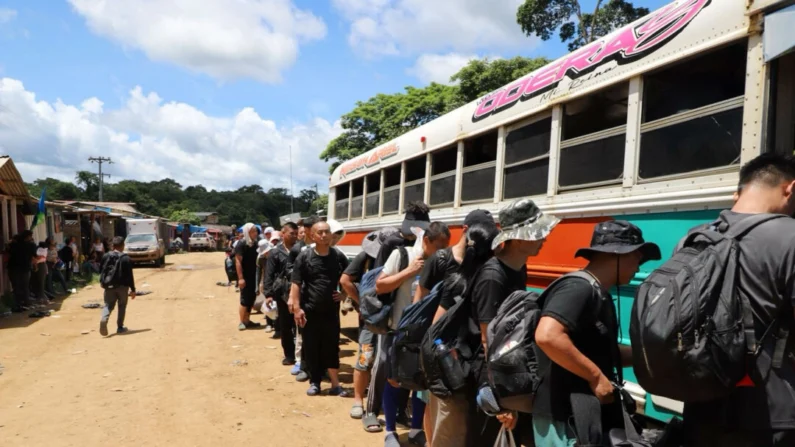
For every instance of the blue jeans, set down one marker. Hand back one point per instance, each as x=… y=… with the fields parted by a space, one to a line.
x=548 y=432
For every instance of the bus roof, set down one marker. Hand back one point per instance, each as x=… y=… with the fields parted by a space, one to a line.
x=675 y=31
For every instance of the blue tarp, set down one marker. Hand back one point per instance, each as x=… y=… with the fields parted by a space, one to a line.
x=259 y=228
x=193 y=229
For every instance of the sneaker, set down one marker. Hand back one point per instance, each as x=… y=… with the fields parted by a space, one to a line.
x=288 y=362
x=241 y=327
x=302 y=377
x=253 y=325
x=103 y=328
x=268 y=329
x=313 y=390
x=296 y=369
x=276 y=335
x=122 y=330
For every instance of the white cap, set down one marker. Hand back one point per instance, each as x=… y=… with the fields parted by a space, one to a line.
x=335 y=227
x=268 y=230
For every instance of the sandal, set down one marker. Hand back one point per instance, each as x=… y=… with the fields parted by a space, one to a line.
x=338 y=391
x=357 y=411
x=371 y=423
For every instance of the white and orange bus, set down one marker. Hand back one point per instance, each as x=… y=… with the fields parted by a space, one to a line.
x=649 y=124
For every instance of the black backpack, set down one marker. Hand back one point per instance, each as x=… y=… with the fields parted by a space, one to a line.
x=456 y=330
x=110 y=272
x=692 y=333
x=373 y=308
x=405 y=349
x=512 y=359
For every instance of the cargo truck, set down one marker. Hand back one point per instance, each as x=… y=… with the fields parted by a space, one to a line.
x=146 y=241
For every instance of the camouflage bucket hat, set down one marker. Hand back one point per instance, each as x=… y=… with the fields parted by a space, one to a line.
x=523 y=220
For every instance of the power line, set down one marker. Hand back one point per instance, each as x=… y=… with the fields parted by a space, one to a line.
x=99 y=161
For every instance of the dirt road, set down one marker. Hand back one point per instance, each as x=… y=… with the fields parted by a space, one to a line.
x=172 y=381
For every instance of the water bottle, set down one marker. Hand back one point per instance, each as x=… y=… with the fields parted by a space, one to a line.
x=451 y=368
x=414 y=286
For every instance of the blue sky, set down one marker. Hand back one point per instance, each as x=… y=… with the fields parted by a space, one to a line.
x=211 y=91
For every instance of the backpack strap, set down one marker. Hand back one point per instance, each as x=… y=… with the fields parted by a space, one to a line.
x=404 y=258
x=740 y=229
x=736 y=232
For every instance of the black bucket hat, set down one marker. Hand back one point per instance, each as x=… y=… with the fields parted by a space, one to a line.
x=619 y=237
x=417 y=219
x=523 y=220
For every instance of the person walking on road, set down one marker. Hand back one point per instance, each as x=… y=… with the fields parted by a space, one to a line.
x=117 y=279
x=246 y=265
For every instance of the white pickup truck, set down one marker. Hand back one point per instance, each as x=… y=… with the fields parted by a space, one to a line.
x=201 y=241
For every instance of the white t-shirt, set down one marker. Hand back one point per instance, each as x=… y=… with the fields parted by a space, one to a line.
x=403 y=297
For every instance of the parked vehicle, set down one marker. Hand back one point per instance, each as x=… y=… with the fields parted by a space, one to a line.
x=201 y=241
x=146 y=241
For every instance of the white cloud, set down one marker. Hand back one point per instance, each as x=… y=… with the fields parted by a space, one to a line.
x=390 y=27
x=7 y=15
x=439 y=67
x=255 y=39
x=150 y=139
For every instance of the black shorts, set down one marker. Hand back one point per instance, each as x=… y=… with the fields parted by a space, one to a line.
x=248 y=296
x=321 y=341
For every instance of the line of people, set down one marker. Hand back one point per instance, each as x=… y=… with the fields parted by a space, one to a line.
x=34 y=270
x=577 y=394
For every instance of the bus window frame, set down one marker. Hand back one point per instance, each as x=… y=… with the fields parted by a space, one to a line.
x=547 y=114
x=603 y=134
x=368 y=194
x=454 y=173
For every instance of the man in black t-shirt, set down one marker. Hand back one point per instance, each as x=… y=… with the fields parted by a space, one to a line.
x=759 y=412
x=246 y=265
x=314 y=302
x=274 y=287
x=524 y=230
x=579 y=356
x=448 y=261
x=304 y=228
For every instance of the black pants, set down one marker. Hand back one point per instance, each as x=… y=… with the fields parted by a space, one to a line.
x=321 y=348
x=20 y=282
x=286 y=326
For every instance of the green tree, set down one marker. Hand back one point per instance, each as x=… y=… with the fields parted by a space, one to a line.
x=56 y=189
x=320 y=205
x=482 y=76
x=89 y=183
x=184 y=217
x=385 y=117
x=577 y=28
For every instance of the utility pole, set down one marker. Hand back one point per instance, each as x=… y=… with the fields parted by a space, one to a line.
x=292 y=208
x=99 y=161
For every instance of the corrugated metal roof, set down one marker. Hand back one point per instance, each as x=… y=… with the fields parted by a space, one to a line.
x=11 y=183
x=115 y=206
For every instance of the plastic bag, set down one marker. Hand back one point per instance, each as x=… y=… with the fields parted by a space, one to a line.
x=505 y=438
